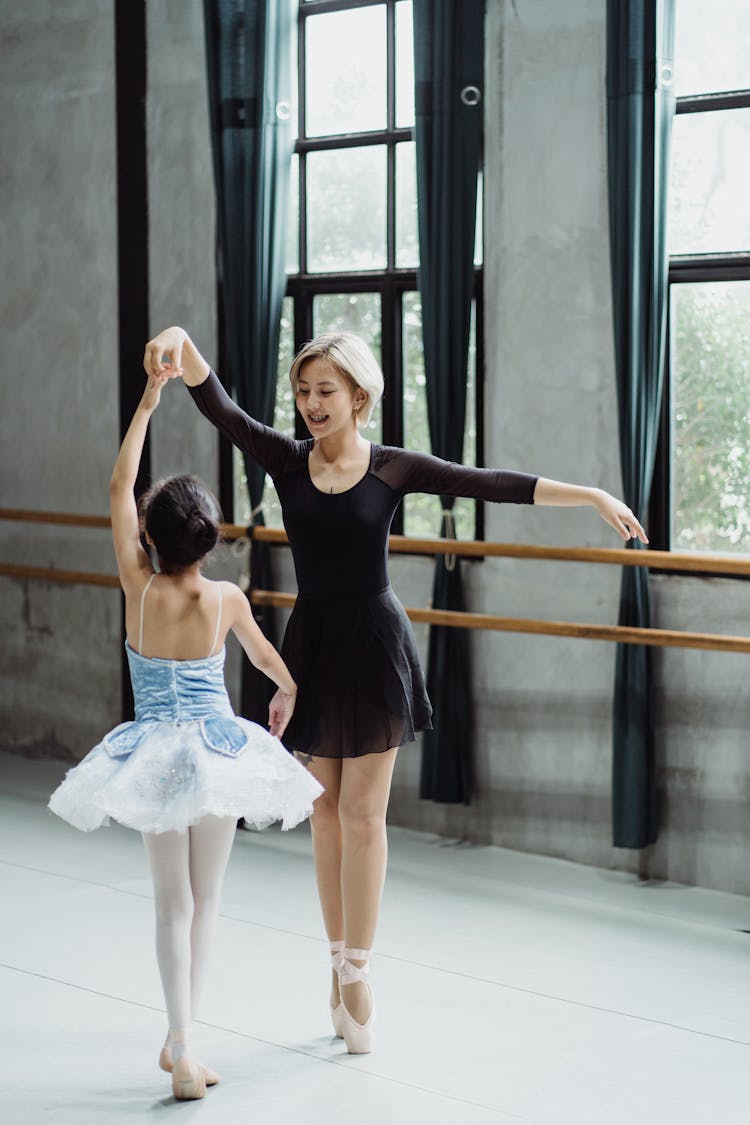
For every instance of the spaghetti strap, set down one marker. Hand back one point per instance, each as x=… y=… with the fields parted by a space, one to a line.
x=218 y=623
x=140 y=623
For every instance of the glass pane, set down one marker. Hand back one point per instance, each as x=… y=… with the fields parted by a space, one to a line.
x=407 y=241
x=294 y=107
x=404 y=64
x=345 y=73
x=359 y=313
x=292 y=238
x=709 y=177
x=711 y=46
x=283 y=419
x=422 y=512
x=346 y=202
x=478 y=235
x=710 y=376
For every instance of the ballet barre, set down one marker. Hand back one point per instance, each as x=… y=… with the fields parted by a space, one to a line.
x=474 y=548
x=621 y=634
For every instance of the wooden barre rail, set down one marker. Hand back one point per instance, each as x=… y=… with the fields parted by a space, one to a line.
x=659 y=638
x=473 y=548
x=403 y=544
x=68 y=519
x=630 y=635
x=66 y=577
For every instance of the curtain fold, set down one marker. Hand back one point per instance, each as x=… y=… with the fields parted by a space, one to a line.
x=248 y=57
x=640 y=108
x=449 y=73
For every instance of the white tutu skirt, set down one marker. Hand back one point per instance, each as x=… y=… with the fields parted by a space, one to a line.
x=163 y=776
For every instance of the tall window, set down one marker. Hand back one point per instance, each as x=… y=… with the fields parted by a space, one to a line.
x=702 y=485
x=353 y=249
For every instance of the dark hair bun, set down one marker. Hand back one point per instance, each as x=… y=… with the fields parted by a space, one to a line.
x=182 y=517
x=203 y=530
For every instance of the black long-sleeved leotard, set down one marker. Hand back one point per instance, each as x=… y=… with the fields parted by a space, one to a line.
x=339 y=540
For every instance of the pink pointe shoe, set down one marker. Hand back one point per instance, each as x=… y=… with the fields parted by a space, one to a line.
x=357 y=1036
x=337 y=1013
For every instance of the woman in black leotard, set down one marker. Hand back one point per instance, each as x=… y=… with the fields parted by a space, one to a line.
x=349 y=644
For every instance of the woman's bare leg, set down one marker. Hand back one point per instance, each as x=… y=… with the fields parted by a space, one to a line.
x=363 y=802
x=326 y=841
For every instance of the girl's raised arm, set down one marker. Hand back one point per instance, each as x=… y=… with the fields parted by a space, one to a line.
x=132 y=561
x=173 y=353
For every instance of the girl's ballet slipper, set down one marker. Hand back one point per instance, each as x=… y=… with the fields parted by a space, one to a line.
x=188 y=1083
x=165 y=1062
x=357 y=1036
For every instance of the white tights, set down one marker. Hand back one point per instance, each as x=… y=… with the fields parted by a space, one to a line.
x=188 y=871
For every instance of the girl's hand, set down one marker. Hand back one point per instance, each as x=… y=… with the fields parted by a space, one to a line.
x=152 y=393
x=620 y=517
x=280 y=712
x=163 y=355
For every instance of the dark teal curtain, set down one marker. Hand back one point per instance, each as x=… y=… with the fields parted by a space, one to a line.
x=248 y=54
x=449 y=73
x=640 y=106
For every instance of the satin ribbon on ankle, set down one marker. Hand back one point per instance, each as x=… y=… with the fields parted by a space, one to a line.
x=351 y=973
x=337 y=955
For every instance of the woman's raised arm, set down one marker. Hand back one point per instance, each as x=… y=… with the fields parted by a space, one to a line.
x=173 y=353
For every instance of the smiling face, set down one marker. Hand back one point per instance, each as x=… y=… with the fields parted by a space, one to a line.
x=326 y=399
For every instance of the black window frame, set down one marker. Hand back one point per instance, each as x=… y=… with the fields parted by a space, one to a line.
x=390 y=283
x=688 y=269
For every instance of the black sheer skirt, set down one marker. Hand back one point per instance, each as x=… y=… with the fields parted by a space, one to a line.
x=360 y=685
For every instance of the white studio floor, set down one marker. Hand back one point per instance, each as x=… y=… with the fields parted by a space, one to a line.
x=510 y=988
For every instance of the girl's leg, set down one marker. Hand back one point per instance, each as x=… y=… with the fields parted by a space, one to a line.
x=210 y=844
x=326 y=841
x=169 y=859
x=363 y=801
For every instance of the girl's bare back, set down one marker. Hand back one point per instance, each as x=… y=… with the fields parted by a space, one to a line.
x=182 y=617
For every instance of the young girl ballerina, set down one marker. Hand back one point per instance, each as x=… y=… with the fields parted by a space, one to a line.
x=348 y=641
x=187 y=768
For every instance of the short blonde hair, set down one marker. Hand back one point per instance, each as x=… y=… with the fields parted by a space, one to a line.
x=351 y=357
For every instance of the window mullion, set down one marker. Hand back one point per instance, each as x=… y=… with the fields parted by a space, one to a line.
x=660 y=504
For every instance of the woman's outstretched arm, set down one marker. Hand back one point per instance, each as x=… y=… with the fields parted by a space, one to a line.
x=132 y=560
x=408 y=471
x=557 y=494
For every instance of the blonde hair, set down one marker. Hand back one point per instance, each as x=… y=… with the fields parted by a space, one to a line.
x=350 y=356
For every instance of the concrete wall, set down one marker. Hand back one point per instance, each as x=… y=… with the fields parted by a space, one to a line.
x=59 y=660
x=542 y=706
x=181 y=221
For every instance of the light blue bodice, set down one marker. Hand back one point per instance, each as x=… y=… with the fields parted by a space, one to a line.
x=178 y=690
